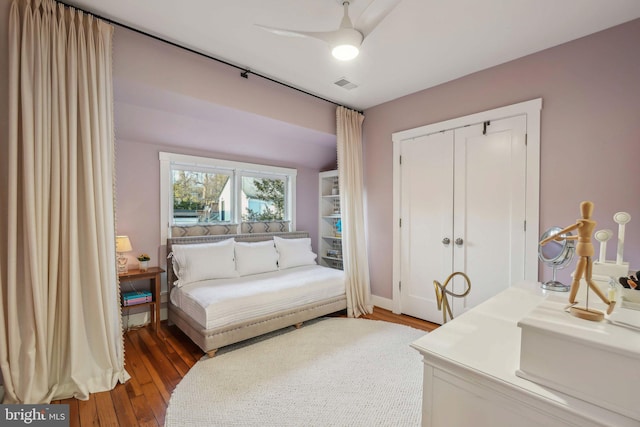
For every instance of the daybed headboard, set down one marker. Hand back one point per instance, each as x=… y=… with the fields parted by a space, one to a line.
x=249 y=237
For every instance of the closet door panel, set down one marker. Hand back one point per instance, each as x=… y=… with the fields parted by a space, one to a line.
x=426 y=206
x=489 y=208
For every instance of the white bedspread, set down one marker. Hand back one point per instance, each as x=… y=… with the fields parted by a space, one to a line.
x=220 y=302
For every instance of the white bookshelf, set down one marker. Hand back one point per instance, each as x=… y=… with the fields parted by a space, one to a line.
x=330 y=239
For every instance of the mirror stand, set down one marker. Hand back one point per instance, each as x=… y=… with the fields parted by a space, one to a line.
x=556 y=254
x=553 y=284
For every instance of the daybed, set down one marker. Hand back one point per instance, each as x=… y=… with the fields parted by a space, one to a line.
x=223 y=291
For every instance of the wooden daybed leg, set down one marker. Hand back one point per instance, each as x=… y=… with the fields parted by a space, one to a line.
x=212 y=353
x=298 y=325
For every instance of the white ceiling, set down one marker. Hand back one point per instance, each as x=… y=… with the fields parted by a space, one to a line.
x=419 y=44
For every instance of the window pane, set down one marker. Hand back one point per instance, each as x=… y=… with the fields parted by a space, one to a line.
x=201 y=197
x=263 y=199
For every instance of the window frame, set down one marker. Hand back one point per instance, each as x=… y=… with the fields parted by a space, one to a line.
x=237 y=170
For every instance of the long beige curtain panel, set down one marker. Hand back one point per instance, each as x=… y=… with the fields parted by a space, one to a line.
x=354 y=245
x=60 y=329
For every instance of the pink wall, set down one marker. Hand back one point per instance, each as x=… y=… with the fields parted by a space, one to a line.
x=590 y=135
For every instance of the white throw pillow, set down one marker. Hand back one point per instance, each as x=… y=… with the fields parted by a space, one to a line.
x=255 y=257
x=192 y=263
x=294 y=252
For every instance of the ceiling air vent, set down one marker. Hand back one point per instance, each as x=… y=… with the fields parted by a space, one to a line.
x=345 y=84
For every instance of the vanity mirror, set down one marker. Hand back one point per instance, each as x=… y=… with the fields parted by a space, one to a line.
x=556 y=254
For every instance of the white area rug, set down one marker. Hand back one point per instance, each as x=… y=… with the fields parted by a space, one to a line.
x=331 y=372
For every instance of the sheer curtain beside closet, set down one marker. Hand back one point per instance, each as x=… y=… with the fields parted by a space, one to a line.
x=354 y=245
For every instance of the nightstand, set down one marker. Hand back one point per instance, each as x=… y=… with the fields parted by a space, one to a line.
x=153 y=274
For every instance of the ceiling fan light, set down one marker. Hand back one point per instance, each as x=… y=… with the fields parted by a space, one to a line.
x=346 y=44
x=345 y=52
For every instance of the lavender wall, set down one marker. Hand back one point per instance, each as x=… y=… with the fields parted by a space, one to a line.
x=590 y=135
x=138 y=195
x=151 y=63
x=590 y=119
x=167 y=99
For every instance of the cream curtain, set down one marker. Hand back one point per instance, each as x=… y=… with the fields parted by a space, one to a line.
x=354 y=246
x=60 y=332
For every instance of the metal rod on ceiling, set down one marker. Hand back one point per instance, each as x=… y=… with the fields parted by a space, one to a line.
x=244 y=71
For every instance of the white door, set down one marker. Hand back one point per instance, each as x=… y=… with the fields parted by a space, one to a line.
x=426 y=201
x=489 y=188
x=468 y=186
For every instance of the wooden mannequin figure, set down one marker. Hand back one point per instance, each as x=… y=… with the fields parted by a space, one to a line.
x=584 y=249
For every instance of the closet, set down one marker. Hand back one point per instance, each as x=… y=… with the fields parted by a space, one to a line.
x=461 y=206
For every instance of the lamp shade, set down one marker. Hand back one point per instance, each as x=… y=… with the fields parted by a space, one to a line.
x=123 y=244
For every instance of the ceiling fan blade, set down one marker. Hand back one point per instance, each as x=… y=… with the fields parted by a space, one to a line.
x=326 y=36
x=374 y=14
x=281 y=31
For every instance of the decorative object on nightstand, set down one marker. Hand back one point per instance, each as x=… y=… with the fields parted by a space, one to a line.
x=123 y=244
x=143 y=259
x=136 y=297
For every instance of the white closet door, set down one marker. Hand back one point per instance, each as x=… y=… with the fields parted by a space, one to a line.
x=426 y=206
x=467 y=186
x=489 y=208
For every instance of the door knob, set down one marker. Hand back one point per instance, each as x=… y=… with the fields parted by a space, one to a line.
x=459 y=241
x=446 y=241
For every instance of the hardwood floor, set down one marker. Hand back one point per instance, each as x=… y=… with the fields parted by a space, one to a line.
x=156 y=366
x=387 y=316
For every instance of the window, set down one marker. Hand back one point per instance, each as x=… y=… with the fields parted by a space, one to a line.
x=263 y=198
x=199 y=190
x=200 y=196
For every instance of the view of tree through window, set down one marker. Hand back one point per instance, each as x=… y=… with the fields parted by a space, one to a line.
x=263 y=199
x=205 y=192
x=200 y=196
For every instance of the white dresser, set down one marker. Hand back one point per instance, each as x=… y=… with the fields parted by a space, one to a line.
x=470 y=369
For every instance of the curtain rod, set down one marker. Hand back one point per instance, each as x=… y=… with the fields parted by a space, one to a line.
x=244 y=71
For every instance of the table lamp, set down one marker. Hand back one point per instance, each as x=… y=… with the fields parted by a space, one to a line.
x=123 y=244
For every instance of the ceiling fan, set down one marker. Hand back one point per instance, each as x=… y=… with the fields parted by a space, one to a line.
x=345 y=42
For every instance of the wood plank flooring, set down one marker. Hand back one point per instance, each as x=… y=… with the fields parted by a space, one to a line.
x=156 y=366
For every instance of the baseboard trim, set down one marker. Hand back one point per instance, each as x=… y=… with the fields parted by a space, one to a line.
x=382 y=302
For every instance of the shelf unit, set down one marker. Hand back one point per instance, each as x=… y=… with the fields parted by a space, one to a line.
x=153 y=275
x=330 y=238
